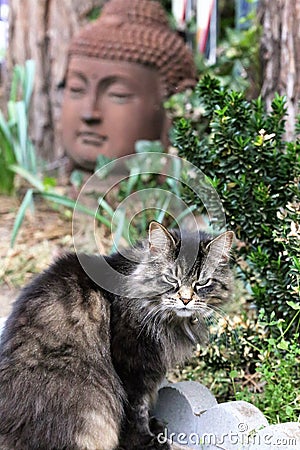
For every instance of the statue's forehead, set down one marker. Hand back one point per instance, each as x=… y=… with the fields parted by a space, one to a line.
x=98 y=69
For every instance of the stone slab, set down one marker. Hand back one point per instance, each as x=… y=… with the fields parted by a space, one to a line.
x=179 y=405
x=284 y=436
x=228 y=426
x=194 y=420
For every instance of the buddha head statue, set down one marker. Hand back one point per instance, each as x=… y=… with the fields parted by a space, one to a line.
x=121 y=69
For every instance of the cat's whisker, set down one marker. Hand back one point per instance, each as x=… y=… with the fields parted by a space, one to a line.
x=158 y=321
x=145 y=321
x=219 y=313
x=162 y=321
x=153 y=313
x=214 y=318
x=206 y=313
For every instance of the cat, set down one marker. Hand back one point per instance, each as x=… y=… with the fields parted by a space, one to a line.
x=80 y=366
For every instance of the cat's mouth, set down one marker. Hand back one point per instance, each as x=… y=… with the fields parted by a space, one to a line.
x=184 y=312
x=180 y=308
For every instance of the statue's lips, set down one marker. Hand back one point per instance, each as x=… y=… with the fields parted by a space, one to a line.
x=91 y=138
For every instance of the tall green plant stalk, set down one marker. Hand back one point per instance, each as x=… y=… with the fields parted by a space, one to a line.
x=16 y=147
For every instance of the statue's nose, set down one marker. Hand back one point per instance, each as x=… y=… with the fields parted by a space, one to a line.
x=92 y=116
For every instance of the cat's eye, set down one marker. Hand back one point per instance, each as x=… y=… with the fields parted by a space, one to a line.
x=201 y=285
x=170 y=279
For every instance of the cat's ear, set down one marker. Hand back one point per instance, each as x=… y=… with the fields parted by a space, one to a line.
x=219 y=248
x=160 y=240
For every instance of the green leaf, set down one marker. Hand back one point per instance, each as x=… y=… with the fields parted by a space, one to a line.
x=144 y=146
x=4 y=128
x=283 y=345
x=103 y=204
x=31 y=157
x=32 y=179
x=101 y=161
x=12 y=113
x=6 y=177
x=162 y=208
x=17 y=79
x=233 y=374
x=289 y=411
x=22 y=131
x=28 y=82
x=49 y=183
x=121 y=219
x=26 y=203
x=69 y=203
x=132 y=180
x=293 y=305
x=76 y=178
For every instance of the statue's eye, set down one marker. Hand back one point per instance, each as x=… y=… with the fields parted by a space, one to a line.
x=76 y=86
x=202 y=284
x=120 y=97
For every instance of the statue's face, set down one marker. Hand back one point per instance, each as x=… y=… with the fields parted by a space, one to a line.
x=107 y=107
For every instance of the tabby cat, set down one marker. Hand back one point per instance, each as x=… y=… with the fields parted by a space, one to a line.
x=80 y=366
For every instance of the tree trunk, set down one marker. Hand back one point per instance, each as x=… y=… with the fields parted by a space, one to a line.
x=280 y=53
x=41 y=30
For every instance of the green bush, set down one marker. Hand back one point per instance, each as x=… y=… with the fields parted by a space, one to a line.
x=244 y=362
x=242 y=151
x=277 y=368
x=256 y=174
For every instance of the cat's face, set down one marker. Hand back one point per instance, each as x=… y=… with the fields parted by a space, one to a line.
x=184 y=276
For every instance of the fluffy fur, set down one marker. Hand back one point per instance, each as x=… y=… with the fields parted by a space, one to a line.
x=79 y=366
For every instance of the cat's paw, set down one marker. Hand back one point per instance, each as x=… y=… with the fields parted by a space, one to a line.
x=157 y=426
x=157 y=446
x=159 y=442
x=153 y=445
x=134 y=441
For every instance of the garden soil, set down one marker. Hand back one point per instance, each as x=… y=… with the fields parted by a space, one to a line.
x=46 y=234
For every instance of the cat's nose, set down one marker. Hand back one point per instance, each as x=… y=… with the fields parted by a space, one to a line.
x=186 y=294
x=185 y=301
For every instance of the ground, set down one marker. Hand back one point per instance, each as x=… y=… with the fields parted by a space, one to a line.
x=42 y=237
x=45 y=234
